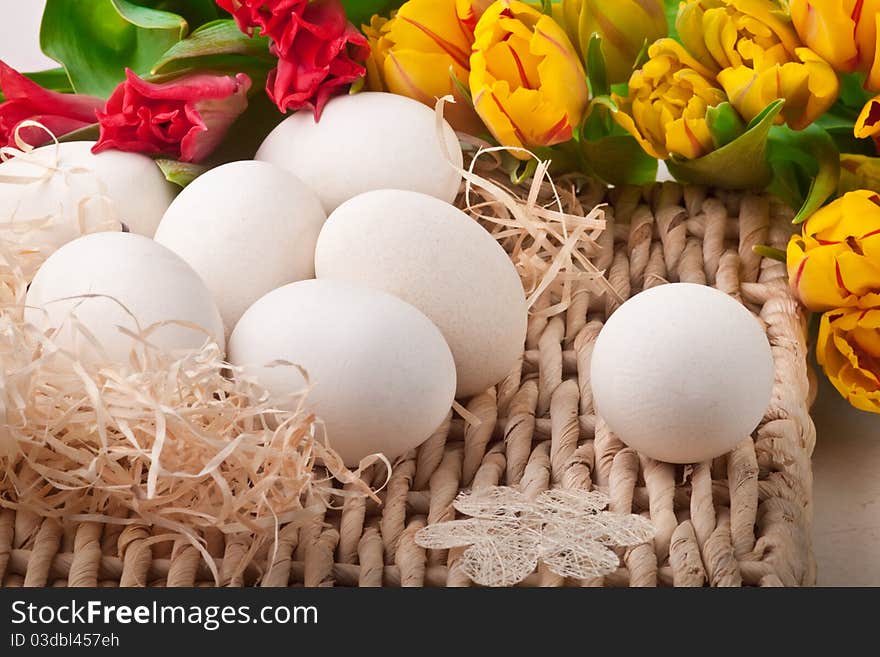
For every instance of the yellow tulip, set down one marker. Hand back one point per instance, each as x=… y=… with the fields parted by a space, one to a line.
x=624 y=26
x=729 y=33
x=667 y=103
x=835 y=262
x=858 y=172
x=809 y=87
x=417 y=51
x=527 y=81
x=848 y=349
x=843 y=33
x=757 y=56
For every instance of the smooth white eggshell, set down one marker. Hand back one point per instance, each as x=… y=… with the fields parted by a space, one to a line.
x=363 y=142
x=435 y=257
x=85 y=193
x=246 y=228
x=682 y=373
x=141 y=283
x=382 y=378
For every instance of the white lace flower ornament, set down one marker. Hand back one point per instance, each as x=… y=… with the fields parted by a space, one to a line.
x=507 y=534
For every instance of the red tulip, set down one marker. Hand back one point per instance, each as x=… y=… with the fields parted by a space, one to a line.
x=272 y=17
x=319 y=52
x=323 y=55
x=185 y=119
x=26 y=100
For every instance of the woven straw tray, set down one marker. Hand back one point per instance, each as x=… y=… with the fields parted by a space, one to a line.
x=743 y=519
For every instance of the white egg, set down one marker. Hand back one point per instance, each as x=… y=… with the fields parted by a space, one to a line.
x=382 y=378
x=364 y=142
x=246 y=228
x=72 y=192
x=682 y=373
x=111 y=280
x=435 y=257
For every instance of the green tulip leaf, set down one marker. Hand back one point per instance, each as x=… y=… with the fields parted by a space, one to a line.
x=599 y=122
x=150 y=19
x=852 y=92
x=725 y=124
x=523 y=171
x=462 y=88
x=96 y=40
x=671 y=16
x=87 y=133
x=839 y=115
x=642 y=57
x=217 y=38
x=771 y=111
x=838 y=122
x=596 y=69
x=180 y=173
x=741 y=164
x=360 y=12
x=770 y=252
x=791 y=178
x=619 y=160
x=54 y=80
x=846 y=142
x=195 y=12
x=813 y=152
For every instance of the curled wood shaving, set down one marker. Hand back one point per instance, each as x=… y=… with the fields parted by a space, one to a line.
x=86 y=213
x=548 y=234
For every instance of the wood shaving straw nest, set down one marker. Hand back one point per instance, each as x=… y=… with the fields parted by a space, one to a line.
x=168 y=439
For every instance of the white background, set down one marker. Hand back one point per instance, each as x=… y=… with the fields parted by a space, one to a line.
x=847 y=458
x=19 y=35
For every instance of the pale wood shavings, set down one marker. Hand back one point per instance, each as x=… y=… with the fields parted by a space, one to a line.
x=32 y=239
x=168 y=440
x=548 y=234
x=177 y=441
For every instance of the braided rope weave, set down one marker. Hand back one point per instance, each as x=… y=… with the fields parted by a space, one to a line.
x=742 y=519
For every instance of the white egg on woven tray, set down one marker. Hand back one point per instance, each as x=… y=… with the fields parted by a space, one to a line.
x=682 y=373
x=59 y=192
x=105 y=281
x=435 y=257
x=364 y=142
x=246 y=228
x=380 y=376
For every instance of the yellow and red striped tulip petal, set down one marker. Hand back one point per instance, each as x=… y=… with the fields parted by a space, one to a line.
x=848 y=349
x=623 y=25
x=418 y=52
x=528 y=84
x=842 y=32
x=835 y=262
